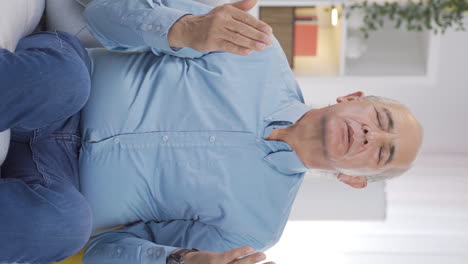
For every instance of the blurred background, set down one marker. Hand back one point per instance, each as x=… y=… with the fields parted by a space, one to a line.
x=421 y=217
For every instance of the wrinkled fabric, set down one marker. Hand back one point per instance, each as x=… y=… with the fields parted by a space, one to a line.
x=176 y=143
x=44 y=84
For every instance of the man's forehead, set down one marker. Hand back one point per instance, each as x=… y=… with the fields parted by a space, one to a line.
x=408 y=140
x=406 y=145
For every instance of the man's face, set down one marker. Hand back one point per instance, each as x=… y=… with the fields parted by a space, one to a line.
x=369 y=137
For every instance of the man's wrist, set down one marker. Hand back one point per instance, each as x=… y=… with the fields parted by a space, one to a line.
x=179 y=34
x=179 y=256
x=189 y=256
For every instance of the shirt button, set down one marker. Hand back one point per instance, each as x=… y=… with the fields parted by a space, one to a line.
x=144 y=27
x=149 y=27
x=119 y=251
x=158 y=252
x=258 y=140
x=212 y=139
x=165 y=138
x=116 y=140
x=158 y=28
x=268 y=118
x=149 y=251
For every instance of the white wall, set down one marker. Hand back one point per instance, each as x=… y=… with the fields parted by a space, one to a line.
x=328 y=199
x=427 y=223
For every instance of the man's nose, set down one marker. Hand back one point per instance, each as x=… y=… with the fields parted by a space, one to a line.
x=376 y=135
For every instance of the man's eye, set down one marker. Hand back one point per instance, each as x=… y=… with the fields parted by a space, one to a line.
x=379 y=119
x=380 y=154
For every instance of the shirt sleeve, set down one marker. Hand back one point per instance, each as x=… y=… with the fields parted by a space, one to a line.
x=152 y=242
x=140 y=25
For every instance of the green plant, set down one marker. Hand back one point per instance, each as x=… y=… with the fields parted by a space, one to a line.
x=434 y=15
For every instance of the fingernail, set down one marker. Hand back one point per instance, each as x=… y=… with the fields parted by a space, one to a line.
x=267 y=29
x=260 y=45
x=249 y=250
x=260 y=258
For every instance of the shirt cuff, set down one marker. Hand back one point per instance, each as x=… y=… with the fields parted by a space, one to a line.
x=155 y=254
x=155 y=30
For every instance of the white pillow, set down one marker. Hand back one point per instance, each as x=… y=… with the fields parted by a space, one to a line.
x=18 y=18
x=66 y=15
x=4 y=144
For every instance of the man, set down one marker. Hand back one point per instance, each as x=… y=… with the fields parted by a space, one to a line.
x=201 y=150
x=209 y=153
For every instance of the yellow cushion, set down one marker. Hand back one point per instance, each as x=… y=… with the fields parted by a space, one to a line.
x=76 y=259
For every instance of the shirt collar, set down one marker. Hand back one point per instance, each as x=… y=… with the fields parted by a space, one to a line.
x=281 y=156
x=291 y=113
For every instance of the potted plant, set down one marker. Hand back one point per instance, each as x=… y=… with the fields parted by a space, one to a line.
x=432 y=15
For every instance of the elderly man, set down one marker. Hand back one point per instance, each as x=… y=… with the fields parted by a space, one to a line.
x=189 y=146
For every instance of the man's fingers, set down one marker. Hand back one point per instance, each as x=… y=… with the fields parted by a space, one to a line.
x=245 y=5
x=233 y=254
x=230 y=47
x=249 y=32
x=251 y=259
x=240 y=40
x=250 y=20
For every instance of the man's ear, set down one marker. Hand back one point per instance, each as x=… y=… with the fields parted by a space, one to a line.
x=350 y=97
x=358 y=182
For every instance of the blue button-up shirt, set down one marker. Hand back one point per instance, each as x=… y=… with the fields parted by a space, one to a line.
x=177 y=140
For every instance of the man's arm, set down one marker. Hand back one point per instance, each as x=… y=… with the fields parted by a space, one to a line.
x=145 y=243
x=139 y=25
x=183 y=28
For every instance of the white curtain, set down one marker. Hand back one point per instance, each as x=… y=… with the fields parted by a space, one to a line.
x=426 y=223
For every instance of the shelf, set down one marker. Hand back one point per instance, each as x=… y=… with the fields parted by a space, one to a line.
x=389 y=53
x=392 y=52
x=310 y=41
x=328 y=58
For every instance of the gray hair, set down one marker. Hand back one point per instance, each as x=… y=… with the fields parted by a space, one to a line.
x=381 y=99
x=386 y=175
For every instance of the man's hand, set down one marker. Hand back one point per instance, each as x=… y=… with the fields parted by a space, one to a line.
x=228 y=257
x=227 y=28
